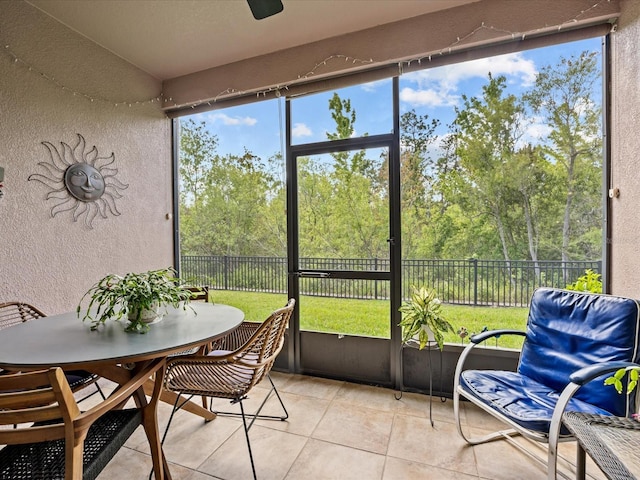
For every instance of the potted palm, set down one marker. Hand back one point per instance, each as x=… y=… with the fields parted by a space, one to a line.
x=136 y=296
x=422 y=320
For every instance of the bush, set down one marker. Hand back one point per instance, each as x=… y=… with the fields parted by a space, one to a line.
x=589 y=282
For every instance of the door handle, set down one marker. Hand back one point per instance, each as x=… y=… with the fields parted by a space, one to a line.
x=314 y=274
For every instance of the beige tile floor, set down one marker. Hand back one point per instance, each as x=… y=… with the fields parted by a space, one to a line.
x=335 y=430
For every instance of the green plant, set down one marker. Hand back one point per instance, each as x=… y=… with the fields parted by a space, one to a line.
x=115 y=297
x=616 y=379
x=423 y=309
x=589 y=282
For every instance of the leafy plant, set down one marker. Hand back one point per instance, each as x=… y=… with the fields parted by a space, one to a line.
x=423 y=309
x=589 y=282
x=616 y=379
x=115 y=297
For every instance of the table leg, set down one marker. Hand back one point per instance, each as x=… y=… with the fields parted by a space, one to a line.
x=580 y=463
x=150 y=424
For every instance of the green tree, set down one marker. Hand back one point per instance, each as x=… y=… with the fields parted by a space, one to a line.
x=488 y=129
x=418 y=179
x=564 y=96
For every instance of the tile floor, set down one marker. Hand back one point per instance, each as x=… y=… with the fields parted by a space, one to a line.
x=336 y=430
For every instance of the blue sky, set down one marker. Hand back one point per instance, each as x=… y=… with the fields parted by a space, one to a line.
x=434 y=92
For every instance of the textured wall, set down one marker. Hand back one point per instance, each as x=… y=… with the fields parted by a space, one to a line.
x=625 y=155
x=51 y=261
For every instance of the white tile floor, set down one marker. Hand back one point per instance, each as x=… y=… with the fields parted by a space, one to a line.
x=335 y=430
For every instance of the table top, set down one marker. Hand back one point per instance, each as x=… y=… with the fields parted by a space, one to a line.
x=65 y=340
x=612 y=442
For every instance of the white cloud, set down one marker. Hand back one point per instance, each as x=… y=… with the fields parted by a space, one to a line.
x=537 y=131
x=428 y=97
x=371 y=87
x=227 y=120
x=438 y=86
x=300 y=130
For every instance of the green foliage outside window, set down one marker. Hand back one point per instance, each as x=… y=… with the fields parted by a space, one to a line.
x=589 y=282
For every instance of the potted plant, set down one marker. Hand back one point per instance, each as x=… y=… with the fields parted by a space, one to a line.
x=422 y=319
x=137 y=296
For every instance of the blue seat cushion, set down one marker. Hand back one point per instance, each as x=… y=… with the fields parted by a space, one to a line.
x=523 y=400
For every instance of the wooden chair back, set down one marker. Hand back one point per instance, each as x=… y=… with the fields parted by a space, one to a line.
x=47 y=436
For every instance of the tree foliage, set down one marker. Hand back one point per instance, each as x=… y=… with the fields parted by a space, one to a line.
x=486 y=189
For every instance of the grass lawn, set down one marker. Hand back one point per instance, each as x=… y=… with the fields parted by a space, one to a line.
x=371 y=317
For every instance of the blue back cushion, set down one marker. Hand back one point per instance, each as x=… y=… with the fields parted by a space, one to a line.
x=569 y=330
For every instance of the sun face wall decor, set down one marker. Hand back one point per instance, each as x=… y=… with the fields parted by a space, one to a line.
x=81 y=181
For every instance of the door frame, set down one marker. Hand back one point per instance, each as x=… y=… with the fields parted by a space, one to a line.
x=392 y=142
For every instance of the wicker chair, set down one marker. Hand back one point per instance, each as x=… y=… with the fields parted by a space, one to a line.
x=199 y=293
x=230 y=370
x=14 y=313
x=63 y=443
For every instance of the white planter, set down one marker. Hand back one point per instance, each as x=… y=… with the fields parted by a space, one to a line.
x=432 y=337
x=148 y=315
x=426 y=328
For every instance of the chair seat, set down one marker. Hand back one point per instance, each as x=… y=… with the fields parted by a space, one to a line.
x=79 y=378
x=519 y=398
x=104 y=439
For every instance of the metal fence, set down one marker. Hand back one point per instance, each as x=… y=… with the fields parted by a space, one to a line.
x=463 y=282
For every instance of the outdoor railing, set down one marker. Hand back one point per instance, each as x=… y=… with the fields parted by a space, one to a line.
x=464 y=282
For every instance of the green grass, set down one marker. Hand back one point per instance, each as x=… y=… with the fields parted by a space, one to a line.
x=371 y=317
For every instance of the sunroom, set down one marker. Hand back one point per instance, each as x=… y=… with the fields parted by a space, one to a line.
x=128 y=77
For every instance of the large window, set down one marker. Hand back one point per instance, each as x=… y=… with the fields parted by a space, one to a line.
x=501 y=171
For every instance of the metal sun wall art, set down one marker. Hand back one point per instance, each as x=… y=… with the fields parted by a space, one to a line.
x=81 y=181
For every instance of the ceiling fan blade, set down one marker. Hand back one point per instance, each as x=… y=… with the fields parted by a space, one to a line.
x=265 y=8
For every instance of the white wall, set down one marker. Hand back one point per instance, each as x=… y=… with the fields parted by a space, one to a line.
x=625 y=155
x=51 y=262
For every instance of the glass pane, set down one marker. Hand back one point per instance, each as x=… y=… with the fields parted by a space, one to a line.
x=233 y=200
x=501 y=177
x=371 y=104
x=343 y=314
x=344 y=210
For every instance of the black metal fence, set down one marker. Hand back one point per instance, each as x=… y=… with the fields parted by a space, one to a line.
x=464 y=282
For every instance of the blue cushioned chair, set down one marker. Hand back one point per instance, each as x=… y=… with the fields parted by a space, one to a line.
x=571 y=339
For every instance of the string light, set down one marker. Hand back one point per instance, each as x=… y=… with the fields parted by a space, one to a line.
x=76 y=93
x=277 y=89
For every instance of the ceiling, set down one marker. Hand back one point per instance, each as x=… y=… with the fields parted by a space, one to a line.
x=171 y=38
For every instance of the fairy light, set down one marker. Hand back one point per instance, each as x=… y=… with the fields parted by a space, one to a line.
x=279 y=88
x=76 y=93
x=275 y=89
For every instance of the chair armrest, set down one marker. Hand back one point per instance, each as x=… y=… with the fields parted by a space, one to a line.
x=577 y=380
x=586 y=374
x=481 y=337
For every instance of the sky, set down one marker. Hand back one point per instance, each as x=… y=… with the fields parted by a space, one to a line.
x=259 y=127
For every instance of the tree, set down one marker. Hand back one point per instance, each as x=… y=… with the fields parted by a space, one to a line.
x=563 y=96
x=197 y=153
x=488 y=129
x=418 y=174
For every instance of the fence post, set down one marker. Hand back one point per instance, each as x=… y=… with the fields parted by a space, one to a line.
x=475 y=281
x=226 y=272
x=375 y=282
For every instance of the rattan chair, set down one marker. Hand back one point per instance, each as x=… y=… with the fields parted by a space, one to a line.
x=53 y=440
x=235 y=364
x=14 y=313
